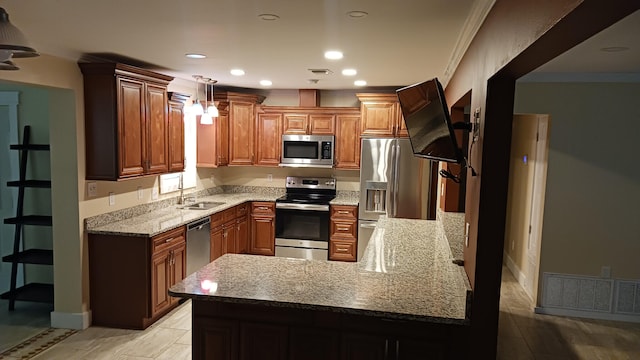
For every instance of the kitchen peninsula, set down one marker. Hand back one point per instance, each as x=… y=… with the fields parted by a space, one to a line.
x=404 y=300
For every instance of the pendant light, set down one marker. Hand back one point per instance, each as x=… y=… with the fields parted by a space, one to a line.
x=8 y=65
x=212 y=109
x=12 y=39
x=196 y=108
x=206 y=118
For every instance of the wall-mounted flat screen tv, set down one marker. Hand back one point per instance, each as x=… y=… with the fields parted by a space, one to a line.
x=428 y=121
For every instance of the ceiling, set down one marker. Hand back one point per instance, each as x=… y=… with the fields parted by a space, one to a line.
x=398 y=43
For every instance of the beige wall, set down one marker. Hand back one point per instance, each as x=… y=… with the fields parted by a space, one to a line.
x=593 y=182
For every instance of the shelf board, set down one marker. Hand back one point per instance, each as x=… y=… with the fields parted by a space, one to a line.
x=41 y=220
x=35 y=292
x=30 y=147
x=31 y=256
x=30 y=183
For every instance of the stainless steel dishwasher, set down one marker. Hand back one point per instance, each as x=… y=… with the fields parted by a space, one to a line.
x=198 y=244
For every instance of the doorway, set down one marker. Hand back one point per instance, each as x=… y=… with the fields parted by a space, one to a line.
x=525 y=201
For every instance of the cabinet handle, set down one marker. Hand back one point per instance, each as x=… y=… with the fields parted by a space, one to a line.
x=263 y=208
x=168 y=240
x=342 y=228
x=342 y=250
x=344 y=212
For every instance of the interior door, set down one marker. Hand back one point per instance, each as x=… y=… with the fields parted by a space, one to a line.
x=527 y=174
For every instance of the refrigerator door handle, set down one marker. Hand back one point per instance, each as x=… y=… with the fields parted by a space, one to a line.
x=368 y=226
x=391 y=196
x=396 y=175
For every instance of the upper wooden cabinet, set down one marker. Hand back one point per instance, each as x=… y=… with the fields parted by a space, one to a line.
x=268 y=139
x=176 y=131
x=381 y=115
x=347 y=152
x=126 y=121
x=309 y=123
x=212 y=141
x=242 y=116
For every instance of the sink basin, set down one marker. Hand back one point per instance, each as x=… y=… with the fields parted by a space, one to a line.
x=202 y=205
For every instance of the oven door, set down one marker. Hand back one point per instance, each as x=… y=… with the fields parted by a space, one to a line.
x=302 y=231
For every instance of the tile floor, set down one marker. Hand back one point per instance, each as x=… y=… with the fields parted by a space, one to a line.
x=27 y=320
x=522 y=335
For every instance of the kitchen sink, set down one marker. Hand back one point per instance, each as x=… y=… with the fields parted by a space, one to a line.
x=202 y=205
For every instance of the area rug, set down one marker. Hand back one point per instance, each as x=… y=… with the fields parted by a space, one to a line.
x=37 y=344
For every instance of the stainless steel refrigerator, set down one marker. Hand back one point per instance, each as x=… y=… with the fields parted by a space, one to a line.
x=393 y=182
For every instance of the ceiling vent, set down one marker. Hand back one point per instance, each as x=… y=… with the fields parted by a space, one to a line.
x=321 y=71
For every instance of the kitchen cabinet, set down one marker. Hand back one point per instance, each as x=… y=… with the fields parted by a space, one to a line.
x=244 y=331
x=262 y=232
x=309 y=123
x=126 y=121
x=347 y=142
x=229 y=231
x=343 y=238
x=176 y=131
x=212 y=141
x=242 y=116
x=381 y=115
x=268 y=139
x=130 y=276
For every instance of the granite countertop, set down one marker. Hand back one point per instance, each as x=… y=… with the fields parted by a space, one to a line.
x=346 y=198
x=164 y=219
x=405 y=273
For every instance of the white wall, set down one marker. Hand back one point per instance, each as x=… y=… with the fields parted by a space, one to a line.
x=593 y=180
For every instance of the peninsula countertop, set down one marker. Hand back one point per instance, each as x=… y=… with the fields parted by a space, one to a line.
x=406 y=273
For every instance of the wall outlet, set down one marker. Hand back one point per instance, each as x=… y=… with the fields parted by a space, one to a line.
x=92 y=189
x=140 y=193
x=605 y=272
x=154 y=193
x=112 y=199
x=269 y=177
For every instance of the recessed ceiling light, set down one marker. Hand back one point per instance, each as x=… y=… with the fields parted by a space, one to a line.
x=357 y=14
x=269 y=17
x=237 y=72
x=195 y=56
x=614 y=49
x=333 y=55
x=359 y=83
x=266 y=82
x=349 y=72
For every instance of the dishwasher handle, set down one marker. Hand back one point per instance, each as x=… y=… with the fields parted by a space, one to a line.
x=197 y=225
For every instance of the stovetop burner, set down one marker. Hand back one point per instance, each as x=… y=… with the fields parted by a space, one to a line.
x=309 y=190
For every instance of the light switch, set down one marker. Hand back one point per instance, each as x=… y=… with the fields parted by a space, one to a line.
x=112 y=199
x=140 y=193
x=92 y=189
x=154 y=193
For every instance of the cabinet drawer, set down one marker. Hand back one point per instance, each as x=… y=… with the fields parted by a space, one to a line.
x=216 y=219
x=228 y=215
x=344 y=211
x=242 y=210
x=263 y=208
x=344 y=229
x=342 y=250
x=167 y=240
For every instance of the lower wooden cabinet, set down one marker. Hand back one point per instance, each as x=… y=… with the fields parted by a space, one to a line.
x=230 y=232
x=243 y=331
x=263 y=228
x=343 y=236
x=130 y=276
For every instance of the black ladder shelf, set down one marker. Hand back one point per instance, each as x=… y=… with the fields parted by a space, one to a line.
x=37 y=292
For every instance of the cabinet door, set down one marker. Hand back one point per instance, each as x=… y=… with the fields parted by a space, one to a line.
x=295 y=124
x=131 y=130
x=268 y=140
x=263 y=341
x=160 y=274
x=217 y=248
x=176 y=136
x=313 y=344
x=229 y=238
x=262 y=235
x=222 y=138
x=212 y=142
x=402 y=126
x=157 y=130
x=364 y=347
x=242 y=235
x=214 y=338
x=378 y=118
x=322 y=124
x=178 y=262
x=347 y=152
x=241 y=118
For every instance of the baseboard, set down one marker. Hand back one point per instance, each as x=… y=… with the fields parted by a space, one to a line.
x=587 y=314
x=76 y=321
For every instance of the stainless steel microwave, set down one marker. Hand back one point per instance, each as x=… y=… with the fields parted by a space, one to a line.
x=307 y=150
